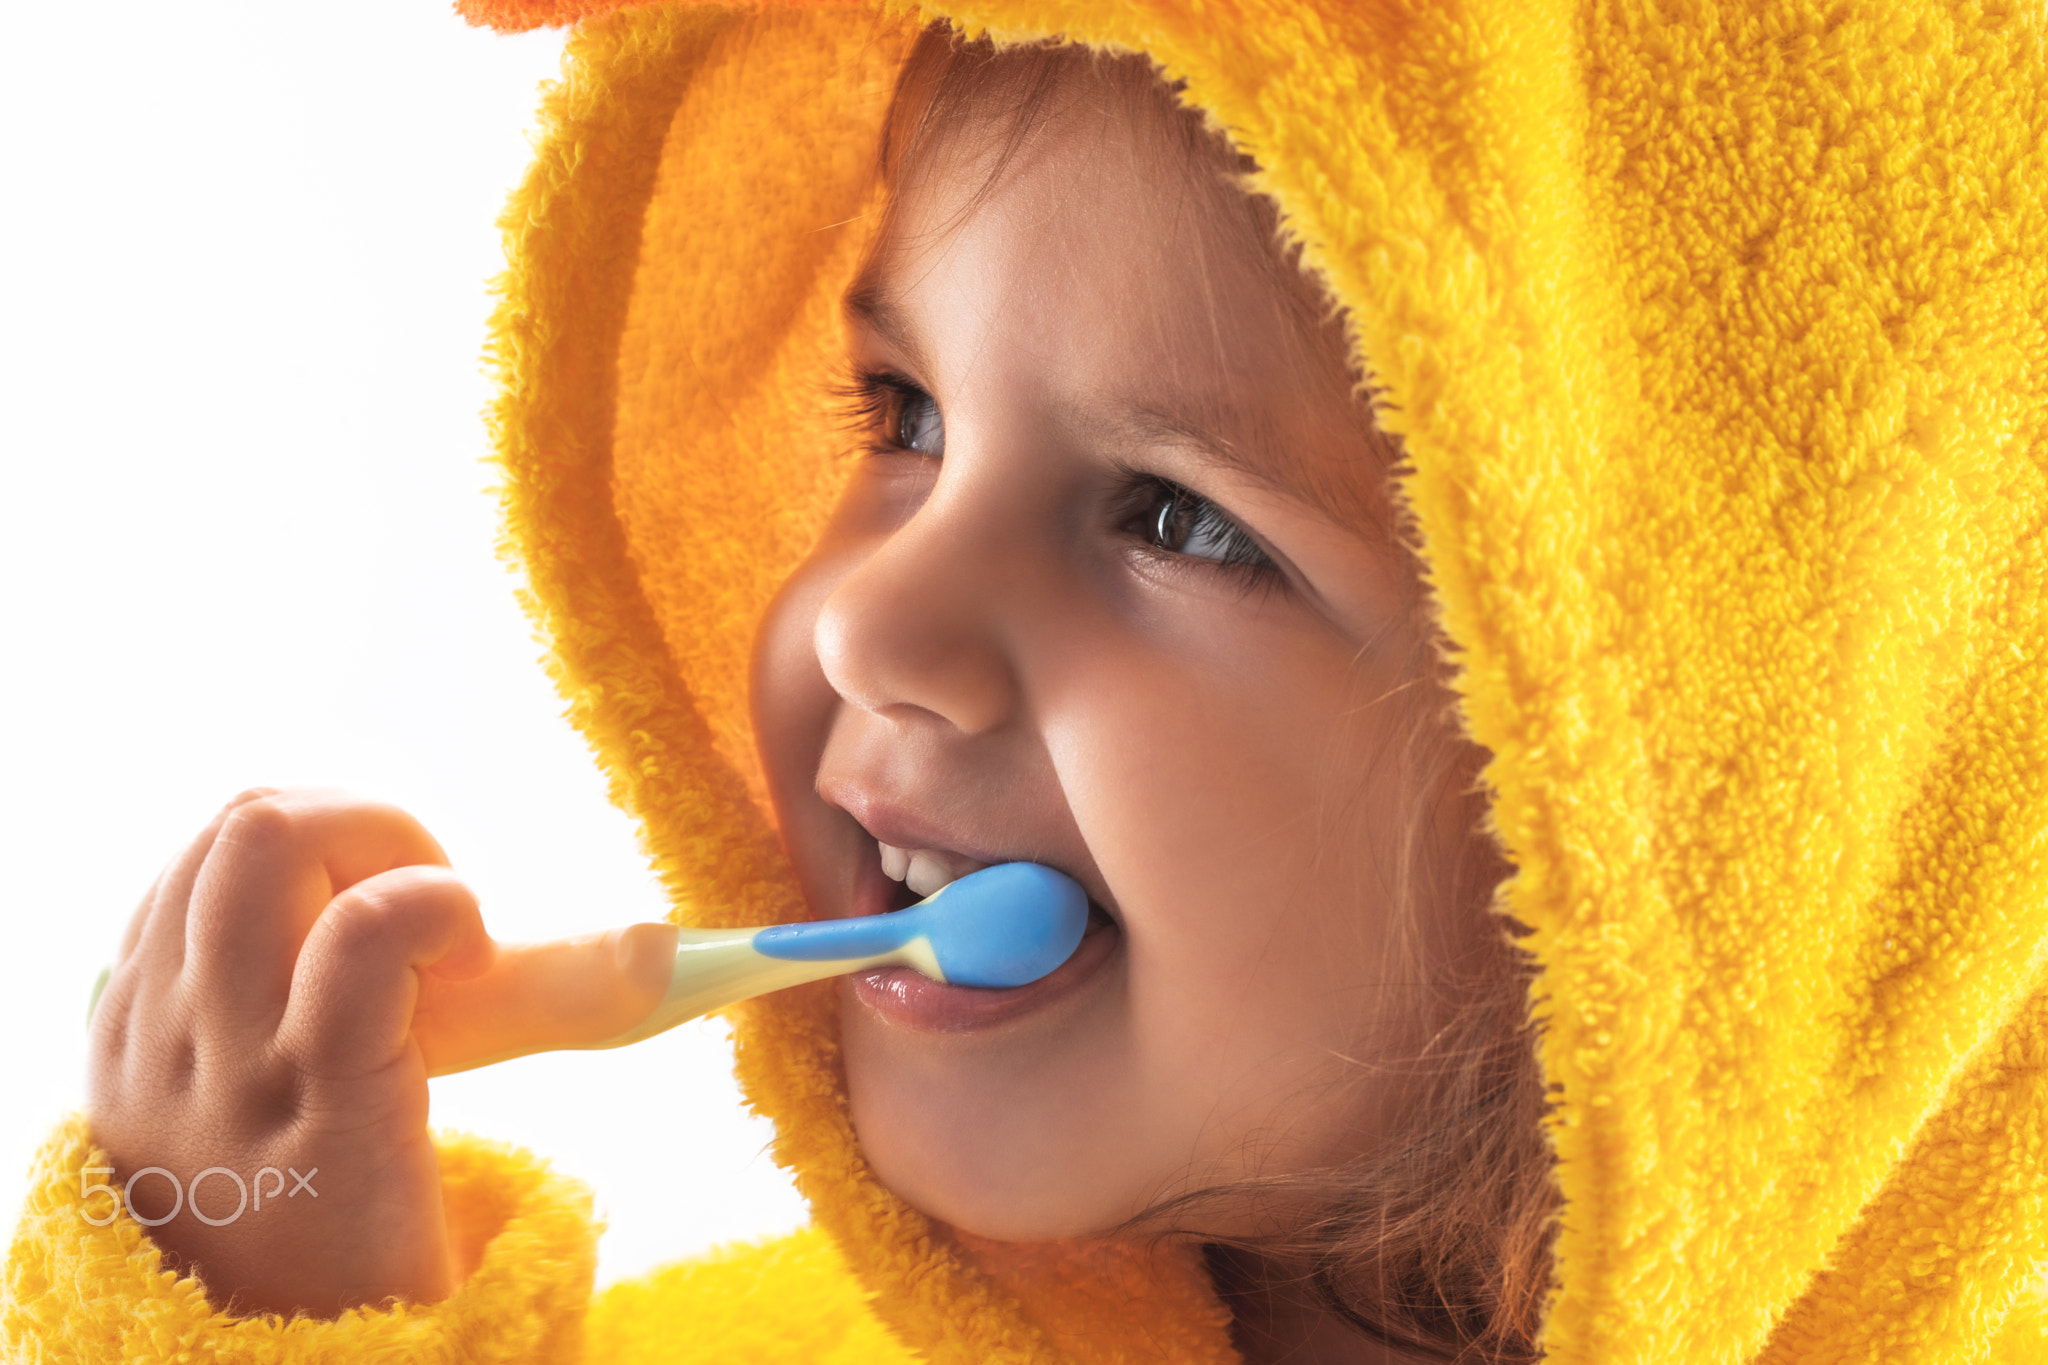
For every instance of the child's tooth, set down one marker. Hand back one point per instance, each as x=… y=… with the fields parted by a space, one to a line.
x=895 y=862
x=928 y=872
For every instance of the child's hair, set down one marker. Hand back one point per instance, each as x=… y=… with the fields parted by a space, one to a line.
x=1437 y=1241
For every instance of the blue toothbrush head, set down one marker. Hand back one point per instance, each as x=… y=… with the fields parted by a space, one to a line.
x=1006 y=925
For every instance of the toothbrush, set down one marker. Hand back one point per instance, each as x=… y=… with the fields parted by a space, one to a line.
x=1005 y=925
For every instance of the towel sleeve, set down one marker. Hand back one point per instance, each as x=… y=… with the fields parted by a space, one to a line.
x=78 y=1293
x=788 y=1301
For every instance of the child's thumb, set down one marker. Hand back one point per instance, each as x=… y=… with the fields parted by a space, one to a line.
x=536 y=997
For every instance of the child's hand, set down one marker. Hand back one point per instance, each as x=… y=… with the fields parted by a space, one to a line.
x=277 y=1004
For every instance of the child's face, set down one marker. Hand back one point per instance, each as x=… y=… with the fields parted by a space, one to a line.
x=1017 y=641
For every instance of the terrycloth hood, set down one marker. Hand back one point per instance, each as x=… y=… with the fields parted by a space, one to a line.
x=1715 y=334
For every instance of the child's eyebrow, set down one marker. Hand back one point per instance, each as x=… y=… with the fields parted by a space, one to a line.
x=1264 y=456
x=867 y=307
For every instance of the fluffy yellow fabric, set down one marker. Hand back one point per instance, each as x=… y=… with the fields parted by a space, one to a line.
x=76 y=1292
x=788 y=1300
x=1715 y=332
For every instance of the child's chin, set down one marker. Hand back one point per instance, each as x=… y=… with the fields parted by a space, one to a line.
x=999 y=1216
x=968 y=1192
x=1004 y=1114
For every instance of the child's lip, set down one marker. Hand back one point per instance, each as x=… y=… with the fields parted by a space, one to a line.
x=908 y=999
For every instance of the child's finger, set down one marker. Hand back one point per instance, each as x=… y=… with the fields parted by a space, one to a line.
x=356 y=982
x=132 y=934
x=157 y=929
x=541 y=996
x=275 y=866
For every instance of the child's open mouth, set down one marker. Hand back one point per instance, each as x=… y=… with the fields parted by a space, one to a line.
x=897 y=878
x=923 y=871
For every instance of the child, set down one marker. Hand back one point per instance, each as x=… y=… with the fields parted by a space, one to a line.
x=1718 y=524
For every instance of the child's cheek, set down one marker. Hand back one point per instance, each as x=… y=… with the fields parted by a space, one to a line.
x=1224 y=805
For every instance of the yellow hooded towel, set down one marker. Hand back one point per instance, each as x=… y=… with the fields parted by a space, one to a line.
x=1715 y=334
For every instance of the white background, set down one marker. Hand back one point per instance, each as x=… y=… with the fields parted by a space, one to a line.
x=245 y=538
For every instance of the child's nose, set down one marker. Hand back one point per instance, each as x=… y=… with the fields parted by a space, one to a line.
x=927 y=621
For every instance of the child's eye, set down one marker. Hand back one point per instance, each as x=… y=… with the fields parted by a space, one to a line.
x=918 y=425
x=896 y=414
x=1179 y=521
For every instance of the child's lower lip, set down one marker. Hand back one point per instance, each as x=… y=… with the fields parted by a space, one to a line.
x=909 y=999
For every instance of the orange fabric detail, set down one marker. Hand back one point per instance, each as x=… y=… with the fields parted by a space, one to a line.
x=736 y=410
x=521 y=16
